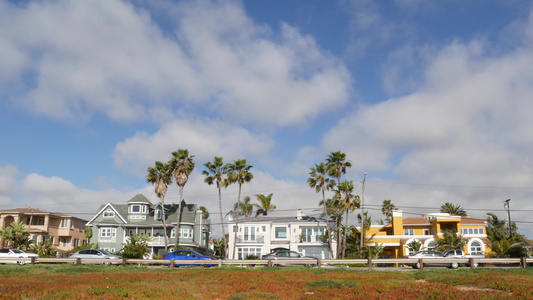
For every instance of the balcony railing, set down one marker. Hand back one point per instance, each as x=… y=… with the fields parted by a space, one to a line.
x=252 y=239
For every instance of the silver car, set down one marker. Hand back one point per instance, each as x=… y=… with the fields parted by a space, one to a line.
x=94 y=254
x=287 y=255
x=14 y=254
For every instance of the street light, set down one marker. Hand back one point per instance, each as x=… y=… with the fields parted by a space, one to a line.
x=506 y=205
x=363 y=214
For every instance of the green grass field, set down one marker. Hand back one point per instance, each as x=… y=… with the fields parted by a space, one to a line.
x=131 y=282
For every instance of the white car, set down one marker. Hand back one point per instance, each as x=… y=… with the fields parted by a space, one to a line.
x=94 y=254
x=14 y=254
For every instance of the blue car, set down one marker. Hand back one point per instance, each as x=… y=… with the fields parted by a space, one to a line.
x=188 y=255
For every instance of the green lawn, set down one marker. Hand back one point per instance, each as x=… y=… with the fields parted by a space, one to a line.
x=117 y=282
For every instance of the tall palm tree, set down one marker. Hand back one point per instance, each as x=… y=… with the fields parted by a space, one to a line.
x=452 y=209
x=181 y=165
x=160 y=177
x=245 y=207
x=239 y=172
x=335 y=211
x=321 y=183
x=216 y=171
x=265 y=204
x=349 y=203
x=337 y=164
x=386 y=208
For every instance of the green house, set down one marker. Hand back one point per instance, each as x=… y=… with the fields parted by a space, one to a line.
x=114 y=223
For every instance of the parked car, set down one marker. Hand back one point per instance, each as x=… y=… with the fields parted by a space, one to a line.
x=458 y=253
x=188 y=255
x=15 y=253
x=286 y=255
x=431 y=254
x=94 y=254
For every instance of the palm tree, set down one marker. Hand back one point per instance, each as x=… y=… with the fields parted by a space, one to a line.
x=181 y=165
x=265 y=204
x=335 y=211
x=386 y=208
x=216 y=172
x=239 y=172
x=337 y=164
x=349 y=203
x=16 y=235
x=160 y=176
x=450 y=240
x=244 y=208
x=452 y=209
x=205 y=213
x=321 y=183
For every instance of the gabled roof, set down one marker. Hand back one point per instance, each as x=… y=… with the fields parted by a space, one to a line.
x=471 y=221
x=416 y=221
x=139 y=198
x=105 y=207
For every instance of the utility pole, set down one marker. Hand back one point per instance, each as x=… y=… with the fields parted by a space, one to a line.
x=363 y=213
x=506 y=205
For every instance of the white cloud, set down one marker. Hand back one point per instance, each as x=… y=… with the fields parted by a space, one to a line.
x=203 y=138
x=71 y=60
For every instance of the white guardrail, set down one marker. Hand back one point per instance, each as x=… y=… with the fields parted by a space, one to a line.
x=370 y=263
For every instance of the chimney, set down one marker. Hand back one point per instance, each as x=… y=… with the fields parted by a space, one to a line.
x=299 y=214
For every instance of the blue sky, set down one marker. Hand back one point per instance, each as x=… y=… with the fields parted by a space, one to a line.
x=431 y=98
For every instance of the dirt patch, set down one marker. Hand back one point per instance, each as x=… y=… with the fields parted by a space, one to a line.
x=479 y=288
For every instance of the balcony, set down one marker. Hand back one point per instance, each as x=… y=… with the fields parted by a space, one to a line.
x=251 y=239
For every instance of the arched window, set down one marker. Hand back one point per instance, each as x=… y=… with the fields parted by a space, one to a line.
x=475 y=248
x=432 y=246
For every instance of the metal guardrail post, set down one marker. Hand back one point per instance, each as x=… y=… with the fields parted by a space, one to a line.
x=319 y=263
x=220 y=263
x=78 y=261
x=370 y=263
x=523 y=262
x=269 y=263
x=33 y=260
x=471 y=262
x=124 y=261
x=172 y=263
x=421 y=261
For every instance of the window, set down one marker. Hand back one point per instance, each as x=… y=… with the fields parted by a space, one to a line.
x=159 y=214
x=408 y=232
x=135 y=208
x=475 y=248
x=427 y=232
x=64 y=223
x=263 y=228
x=312 y=234
x=186 y=233
x=108 y=232
x=65 y=242
x=40 y=222
x=242 y=253
x=76 y=243
x=281 y=232
x=109 y=213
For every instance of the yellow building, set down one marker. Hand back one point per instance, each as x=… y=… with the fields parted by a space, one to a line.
x=427 y=229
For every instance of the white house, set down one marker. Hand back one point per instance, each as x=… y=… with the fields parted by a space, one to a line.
x=260 y=235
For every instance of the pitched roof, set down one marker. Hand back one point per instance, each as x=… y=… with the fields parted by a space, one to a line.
x=139 y=198
x=468 y=220
x=416 y=221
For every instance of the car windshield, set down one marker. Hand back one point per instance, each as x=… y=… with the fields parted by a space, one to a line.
x=17 y=251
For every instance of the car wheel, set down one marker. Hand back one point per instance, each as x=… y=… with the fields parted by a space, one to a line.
x=416 y=266
x=21 y=262
x=454 y=265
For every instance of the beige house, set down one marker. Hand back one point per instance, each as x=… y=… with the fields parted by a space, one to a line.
x=65 y=232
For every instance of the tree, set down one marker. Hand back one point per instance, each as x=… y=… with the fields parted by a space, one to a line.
x=387 y=207
x=349 y=202
x=160 y=176
x=452 y=209
x=216 y=172
x=220 y=246
x=321 y=183
x=136 y=247
x=244 y=208
x=181 y=165
x=450 y=240
x=414 y=246
x=265 y=204
x=88 y=234
x=16 y=235
x=337 y=164
x=44 y=248
x=205 y=213
x=335 y=211
x=239 y=172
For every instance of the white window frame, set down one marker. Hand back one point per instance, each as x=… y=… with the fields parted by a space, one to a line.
x=408 y=232
x=64 y=223
x=276 y=233
x=186 y=233
x=243 y=252
x=107 y=232
x=109 y=213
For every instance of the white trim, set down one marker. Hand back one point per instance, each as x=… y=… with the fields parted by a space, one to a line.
x=101 y=211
